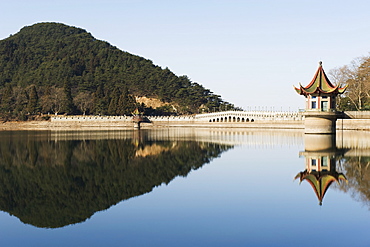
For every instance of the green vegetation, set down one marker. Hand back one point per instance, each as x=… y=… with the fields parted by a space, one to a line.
x=51 y=184
x=55 y=68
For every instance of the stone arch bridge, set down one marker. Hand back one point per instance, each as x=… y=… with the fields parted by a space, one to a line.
x=248 y=116
x=207 y=119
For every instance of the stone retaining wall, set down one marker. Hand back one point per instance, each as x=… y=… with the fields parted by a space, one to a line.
x=356 y=114
x=190 y=121
x=353 y=124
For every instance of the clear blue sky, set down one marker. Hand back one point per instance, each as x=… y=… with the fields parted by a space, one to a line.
x=249 y=52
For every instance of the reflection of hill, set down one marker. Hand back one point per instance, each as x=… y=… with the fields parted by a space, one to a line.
x=55 y=183
x=153 y=149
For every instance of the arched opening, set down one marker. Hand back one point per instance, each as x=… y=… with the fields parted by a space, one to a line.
x=221 y=119
x=210 y=121
x=252 y=120
x=238 y=119
x=213 y=120
x=247 y=120
x=243 y=120
x=234 y=119
x=218 y=120
x=229 y=118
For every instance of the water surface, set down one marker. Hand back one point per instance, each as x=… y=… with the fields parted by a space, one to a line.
x=183 y=187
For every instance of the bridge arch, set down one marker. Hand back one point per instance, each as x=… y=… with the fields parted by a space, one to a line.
x=248 y=116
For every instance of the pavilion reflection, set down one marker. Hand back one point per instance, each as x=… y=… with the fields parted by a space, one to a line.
x=321 y=157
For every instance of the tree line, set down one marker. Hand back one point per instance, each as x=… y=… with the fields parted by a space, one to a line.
x=357 y=76
x=55 y=68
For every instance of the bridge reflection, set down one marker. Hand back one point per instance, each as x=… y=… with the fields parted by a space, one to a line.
x=230 y=136
x=347 y=139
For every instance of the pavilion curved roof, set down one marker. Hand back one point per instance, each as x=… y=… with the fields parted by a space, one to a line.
x=320 y=84
x=320 y=181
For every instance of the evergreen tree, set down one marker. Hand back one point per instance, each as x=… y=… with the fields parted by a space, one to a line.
x=68 y=105
x=100 y=101
x=126 y=103
x=20 y=102
x=7 y=101
x=33 y=101
x=113 y=104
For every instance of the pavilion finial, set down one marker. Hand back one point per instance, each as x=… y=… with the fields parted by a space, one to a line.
x=320 y=63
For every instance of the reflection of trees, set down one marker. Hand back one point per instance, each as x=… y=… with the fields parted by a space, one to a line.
x=52 y=184
x=358 y=175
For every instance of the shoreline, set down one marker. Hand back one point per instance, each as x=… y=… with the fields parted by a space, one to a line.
x=342 y=124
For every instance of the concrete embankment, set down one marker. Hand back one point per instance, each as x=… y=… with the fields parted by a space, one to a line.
x=353 y=124
x=50 y=125
x=99 y=125
x=114 y=124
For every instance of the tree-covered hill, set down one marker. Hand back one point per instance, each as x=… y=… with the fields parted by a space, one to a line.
x=55 y=68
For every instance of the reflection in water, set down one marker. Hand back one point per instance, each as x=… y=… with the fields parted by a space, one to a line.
x=356 y=164
x=321 y=157
x=54 y=179
x=349 y=152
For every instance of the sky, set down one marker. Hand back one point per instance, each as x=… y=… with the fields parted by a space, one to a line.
x=250 y=52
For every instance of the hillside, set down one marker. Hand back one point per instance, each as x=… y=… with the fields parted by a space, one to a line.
x=55 y=68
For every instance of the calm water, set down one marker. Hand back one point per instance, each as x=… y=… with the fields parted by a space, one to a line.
x=184 y=187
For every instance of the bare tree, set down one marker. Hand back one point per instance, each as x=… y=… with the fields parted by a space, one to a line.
x=359 y=84
x=53 y=100
x=340 y=76
x=357 y=76
x=84 y=101
x=364 y=75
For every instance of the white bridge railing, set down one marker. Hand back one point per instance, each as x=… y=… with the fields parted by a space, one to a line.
x=249 y=116
x=226 y=116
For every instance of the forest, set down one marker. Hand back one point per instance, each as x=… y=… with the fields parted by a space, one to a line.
x=52 y=68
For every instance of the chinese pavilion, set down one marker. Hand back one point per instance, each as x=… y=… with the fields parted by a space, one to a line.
x=320 y=113
x=320 y=93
